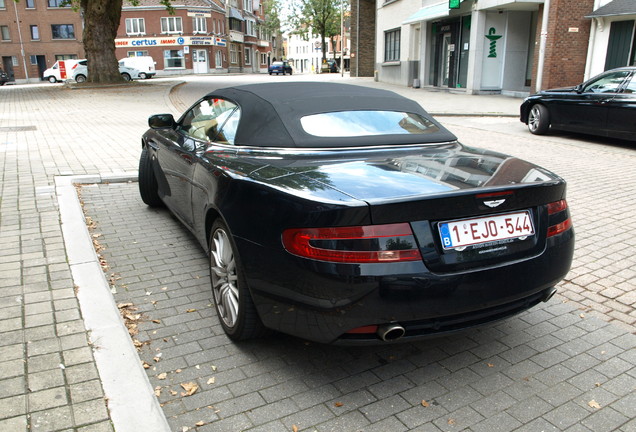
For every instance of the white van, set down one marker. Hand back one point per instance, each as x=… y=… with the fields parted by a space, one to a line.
x=144 y=64
x=61 y=70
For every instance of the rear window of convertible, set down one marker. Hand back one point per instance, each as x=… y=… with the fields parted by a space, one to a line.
x=366 y=123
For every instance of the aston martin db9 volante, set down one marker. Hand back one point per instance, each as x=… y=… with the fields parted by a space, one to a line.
x=346 y=214
x=605 y=105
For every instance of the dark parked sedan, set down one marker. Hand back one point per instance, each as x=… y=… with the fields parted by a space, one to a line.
x=345 y=214
x=605 y=105
x=279 y=67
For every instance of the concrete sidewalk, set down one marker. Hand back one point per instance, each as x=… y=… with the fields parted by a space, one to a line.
x=49 y=379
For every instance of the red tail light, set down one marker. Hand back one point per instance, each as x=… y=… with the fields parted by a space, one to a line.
x=555 y=208
x=360 y=244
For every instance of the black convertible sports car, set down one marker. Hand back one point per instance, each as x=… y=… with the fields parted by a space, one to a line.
x=346 y=214
x=605 y=105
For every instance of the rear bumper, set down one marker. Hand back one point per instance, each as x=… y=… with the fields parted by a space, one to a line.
x=322 y=301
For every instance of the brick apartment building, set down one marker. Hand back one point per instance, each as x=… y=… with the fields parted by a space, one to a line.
x=34 y=34
x=202 y=36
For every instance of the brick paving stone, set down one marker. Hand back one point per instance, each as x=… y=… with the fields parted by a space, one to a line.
x=541 y=359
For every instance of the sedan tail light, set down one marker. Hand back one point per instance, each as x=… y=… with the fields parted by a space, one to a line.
x=359 y=244
x=556 y=208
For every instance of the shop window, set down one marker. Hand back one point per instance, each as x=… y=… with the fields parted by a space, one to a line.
x=392 y=45
x=173 y=59
x=135 y=26
x=171 y=25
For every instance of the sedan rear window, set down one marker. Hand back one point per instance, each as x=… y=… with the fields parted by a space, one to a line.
x=366 y=123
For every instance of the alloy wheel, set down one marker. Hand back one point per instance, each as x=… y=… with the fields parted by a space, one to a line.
x=534 y=118
x=224 y=278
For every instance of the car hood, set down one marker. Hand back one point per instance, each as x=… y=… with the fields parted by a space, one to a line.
x=378 y=175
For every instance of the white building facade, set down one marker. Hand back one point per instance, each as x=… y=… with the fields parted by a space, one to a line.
x=484 y=46
x=612 y=37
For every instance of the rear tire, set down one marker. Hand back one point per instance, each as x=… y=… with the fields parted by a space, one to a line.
x=232 y=300
x=80 y=78
x=538 y=119
x=148 y=187
x=125 y=76
x=142 y=76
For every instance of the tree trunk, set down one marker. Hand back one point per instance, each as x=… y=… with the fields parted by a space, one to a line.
x=101 y=20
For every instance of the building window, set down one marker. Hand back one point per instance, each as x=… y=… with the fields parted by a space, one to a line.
x=63 y=31
x=2 y=5
x=263 y=59
x=249 y=6
x=171 y=25
x=59 y=4
x=33 y=59
x=65 y=56
x=392 y=45
x=173 y=59
x=199 y=25
x=30 y=4
x=4 y=30
x=248 y=56
x=233 y=54
x=236 y=25
x=136 y=53
x=218 y=59
x=135 y=26
x=35 y=32
x=250 y=28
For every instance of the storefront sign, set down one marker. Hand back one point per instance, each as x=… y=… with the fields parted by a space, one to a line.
x=166 y=41
x=202 y=13
x=492 y=37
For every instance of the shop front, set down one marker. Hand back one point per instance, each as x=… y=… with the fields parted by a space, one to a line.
x=177 y=54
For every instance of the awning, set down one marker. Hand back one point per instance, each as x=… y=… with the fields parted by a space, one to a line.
x=615 y=8
x=234 y=13
x=429 y=13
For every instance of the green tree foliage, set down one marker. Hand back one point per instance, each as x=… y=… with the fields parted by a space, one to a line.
x=322 y=16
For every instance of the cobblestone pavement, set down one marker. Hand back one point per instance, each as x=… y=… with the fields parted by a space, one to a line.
x=545 y=370
x=556 y=367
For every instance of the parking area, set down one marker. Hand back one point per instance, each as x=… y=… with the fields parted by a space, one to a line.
x=567 y=365
x=552 y=368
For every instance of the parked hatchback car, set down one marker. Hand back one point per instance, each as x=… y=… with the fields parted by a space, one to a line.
x=279 y=67
x=604 y=105
x=346 y=214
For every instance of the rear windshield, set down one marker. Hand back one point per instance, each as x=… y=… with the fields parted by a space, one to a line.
x=366 y=123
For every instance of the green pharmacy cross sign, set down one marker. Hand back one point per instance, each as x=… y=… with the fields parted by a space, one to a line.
x=492 y=53
x=454 y=4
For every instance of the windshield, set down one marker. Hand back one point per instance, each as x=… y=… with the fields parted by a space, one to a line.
x=366 y=123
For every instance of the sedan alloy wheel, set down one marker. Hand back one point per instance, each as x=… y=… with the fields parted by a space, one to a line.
x=538 y=119
x=223 y=274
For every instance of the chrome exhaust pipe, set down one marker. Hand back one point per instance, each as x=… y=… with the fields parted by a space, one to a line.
x=390 y=332
x=550 y=294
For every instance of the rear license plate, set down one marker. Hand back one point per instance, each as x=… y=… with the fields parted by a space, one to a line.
x=469 y=232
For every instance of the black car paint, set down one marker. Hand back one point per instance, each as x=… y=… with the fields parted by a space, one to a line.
x=306 y=188
x=605 y=114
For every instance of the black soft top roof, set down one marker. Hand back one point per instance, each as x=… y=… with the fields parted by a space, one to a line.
x=271 y=113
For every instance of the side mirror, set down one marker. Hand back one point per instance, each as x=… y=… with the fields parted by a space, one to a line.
x=161 y=121
x=579 y=88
